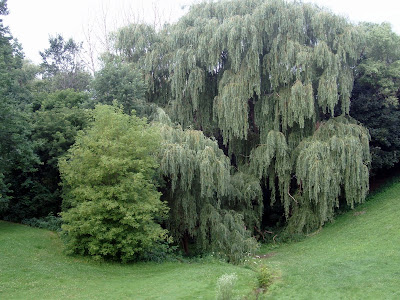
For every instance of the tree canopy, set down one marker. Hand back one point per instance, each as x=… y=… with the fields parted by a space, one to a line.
x=119 y=81
x=375 y=97
x=265 y=78
x=17 y=157
x=62 y=65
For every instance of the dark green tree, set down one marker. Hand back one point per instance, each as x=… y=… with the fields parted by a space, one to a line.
x=118 y=80
x=55 y=123
x=375 y=98
x=17 y=158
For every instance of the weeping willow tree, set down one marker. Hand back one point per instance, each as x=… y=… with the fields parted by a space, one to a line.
x=271 y=82
x=208 y=202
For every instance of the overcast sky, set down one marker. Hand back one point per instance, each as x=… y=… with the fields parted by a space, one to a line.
x=33 y=21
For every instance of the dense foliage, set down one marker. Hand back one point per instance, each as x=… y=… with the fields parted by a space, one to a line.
x=375 y=99
x=17 y=157
x=263 y=78
x=207 y=203
x=111 y=202
x=55 y=125
x=119 y=81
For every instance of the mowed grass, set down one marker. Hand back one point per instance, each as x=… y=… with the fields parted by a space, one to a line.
x=356 y=257
x=33 y=266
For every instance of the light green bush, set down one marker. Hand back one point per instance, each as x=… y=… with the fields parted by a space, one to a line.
x=110 y=198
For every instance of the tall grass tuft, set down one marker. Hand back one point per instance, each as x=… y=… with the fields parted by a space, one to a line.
x=225 y=286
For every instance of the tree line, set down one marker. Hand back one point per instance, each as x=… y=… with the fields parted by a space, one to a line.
x=242 y=116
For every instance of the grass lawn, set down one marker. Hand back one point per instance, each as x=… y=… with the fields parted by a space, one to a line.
x=356 y=257
x=33 y=266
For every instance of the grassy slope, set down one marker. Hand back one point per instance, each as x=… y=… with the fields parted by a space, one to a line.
x=32 y=266
x=356 y=257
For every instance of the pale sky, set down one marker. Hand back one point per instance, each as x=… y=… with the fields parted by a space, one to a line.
x=33 y=21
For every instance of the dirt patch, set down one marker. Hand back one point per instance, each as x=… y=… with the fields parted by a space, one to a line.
x=265 y=255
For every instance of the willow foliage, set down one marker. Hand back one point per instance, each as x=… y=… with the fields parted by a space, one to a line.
x=298 y=54
x=260 y=76
x=206 y=202
x=334 y=161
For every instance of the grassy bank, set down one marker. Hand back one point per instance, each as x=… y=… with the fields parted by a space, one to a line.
x=33 y=266
x=356 y=257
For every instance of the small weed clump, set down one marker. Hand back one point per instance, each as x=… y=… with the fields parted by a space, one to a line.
x=225 y=285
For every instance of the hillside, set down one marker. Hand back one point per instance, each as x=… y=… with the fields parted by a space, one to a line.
x=32 y=266
x=356 y=257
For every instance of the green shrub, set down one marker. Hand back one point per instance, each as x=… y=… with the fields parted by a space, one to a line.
x=264 y=277
x=111 y=202
x=50 y=222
